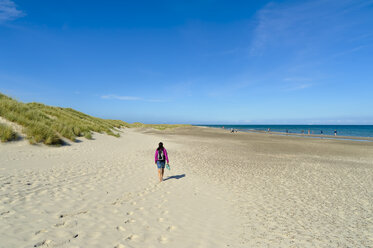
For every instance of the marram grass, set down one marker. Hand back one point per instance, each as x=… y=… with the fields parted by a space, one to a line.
x=7 y=133
x=48 y=125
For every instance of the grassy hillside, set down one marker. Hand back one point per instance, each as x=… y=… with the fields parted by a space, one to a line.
x=7 y=133
x=47 y=124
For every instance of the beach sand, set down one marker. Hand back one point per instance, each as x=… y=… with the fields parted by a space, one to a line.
x=223 y=190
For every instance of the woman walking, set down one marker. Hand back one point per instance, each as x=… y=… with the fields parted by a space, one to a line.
x=160 y=158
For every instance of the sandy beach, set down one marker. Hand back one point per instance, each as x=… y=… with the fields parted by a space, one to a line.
x=223 y=190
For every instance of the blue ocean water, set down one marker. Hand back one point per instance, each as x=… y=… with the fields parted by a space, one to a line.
x=342 y=130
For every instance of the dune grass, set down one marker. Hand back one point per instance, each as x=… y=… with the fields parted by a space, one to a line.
x=159 y=126
x=7 y=133
x=48 y=124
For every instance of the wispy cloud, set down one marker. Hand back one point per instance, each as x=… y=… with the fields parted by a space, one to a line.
x=122 y=98
x=129 y=98
x=297 y=79
x=9 y=11
x=297 y=83
x=352 y=50
x=296 y=87
x=303 y=24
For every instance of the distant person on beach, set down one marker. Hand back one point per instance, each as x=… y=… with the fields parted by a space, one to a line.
x=321 y=132
x=335 y=132
x=160 y=160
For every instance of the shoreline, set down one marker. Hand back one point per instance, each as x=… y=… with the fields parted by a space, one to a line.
x=352 y=138
x=338 y=137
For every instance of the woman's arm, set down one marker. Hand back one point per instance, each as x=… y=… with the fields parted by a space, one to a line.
x=156 y=156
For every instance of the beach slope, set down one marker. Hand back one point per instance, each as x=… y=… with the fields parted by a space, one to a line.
x=224 y=189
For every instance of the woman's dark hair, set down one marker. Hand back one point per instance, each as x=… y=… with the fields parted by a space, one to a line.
x=160 y=146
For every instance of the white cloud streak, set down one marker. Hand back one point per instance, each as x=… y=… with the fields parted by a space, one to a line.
x=302 y=24
x=8 y=11
x=297 y=79
x=129 y=98
x=300 y=86
x=122 y=98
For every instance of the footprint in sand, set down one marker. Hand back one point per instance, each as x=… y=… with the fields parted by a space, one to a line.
x=129 y=221
x=42 y=243
x=120 y=228
x=4 y=213
x=40 y=231
x=72 y=214
x=120 y=246
x=162 y=239
x=129 y=213
x=171 y=228
x=132 y=237
x=160 y=219
x=68 y=224
x=59 y=224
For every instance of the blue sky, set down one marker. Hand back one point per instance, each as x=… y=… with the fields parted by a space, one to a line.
x=278 y=62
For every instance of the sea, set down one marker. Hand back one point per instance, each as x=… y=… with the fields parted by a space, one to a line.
x=342 y=130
